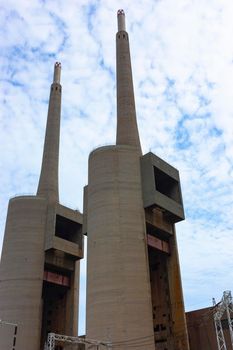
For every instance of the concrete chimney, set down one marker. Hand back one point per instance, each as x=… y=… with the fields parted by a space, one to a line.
x=127 y=129
x=48 y=183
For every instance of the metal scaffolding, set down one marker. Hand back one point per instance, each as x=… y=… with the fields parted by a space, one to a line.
x=92 y=344
x=223 y=307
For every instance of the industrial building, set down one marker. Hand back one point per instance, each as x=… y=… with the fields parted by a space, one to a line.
x=43 y=243
x=211 y=328
x=131 y=205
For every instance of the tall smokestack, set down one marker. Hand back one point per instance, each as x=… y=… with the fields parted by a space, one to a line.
x=119 y=308
x=48 y=183
x=127 y=130
x=43 y=243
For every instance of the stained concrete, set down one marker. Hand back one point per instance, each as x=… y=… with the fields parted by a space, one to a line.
x=134 y=291
x=118 y=283
x=39 y=269
x=119 y=305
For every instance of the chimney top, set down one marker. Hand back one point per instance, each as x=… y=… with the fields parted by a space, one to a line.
x=120 y=12
x=121 y=20
x=57 y=73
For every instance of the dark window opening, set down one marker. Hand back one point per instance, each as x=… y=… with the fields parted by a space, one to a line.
x=52 y=315
x=166 y=185
x=156 y=232
x=154 y=267
x=161 y=341
x=68 y=229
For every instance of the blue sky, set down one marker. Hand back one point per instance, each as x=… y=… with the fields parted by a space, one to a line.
x=182 y=58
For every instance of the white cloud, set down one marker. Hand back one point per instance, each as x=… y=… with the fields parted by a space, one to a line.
x=182 y=56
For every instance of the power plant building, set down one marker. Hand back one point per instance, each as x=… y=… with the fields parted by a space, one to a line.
x=131 y=205
x=134 y=293
x=43 y=243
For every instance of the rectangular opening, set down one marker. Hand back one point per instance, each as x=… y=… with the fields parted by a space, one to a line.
x=156 y=232
x=68 y=230
x=54 y=298
x=166 y=185
x=160 y=301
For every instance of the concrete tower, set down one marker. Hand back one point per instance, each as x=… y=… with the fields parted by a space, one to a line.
x=118 y=280
x=39 y=269
x=131 y=203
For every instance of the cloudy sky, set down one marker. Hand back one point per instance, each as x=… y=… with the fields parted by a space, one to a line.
x=182 y=59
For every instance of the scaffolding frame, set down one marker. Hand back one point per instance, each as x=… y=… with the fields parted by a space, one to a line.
x=92 y=344
x=225 y=305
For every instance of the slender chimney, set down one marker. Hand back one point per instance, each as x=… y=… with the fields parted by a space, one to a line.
x=48 y=183
x=127 y=130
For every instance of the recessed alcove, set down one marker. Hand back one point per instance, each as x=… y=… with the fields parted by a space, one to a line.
x=68 y=229
x=161 y=187
x=167 y=185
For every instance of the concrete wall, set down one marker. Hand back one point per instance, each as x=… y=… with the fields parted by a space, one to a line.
x=21 y=270
x=118 y=287
x=179 y=329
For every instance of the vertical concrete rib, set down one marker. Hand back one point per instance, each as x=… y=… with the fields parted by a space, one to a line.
x=48 y=183
x=127 y=130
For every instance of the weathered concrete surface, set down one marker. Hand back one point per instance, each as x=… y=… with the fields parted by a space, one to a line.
x=41 y=238
x=122 y=279
x=48 y=183
x=179 y=329
x=119 y=305
x=118 y=285
x=127 y=129
x=7 y=336
x=21 y=270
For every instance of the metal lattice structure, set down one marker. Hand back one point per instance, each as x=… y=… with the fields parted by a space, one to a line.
x=224 y=306
x=92 y=344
